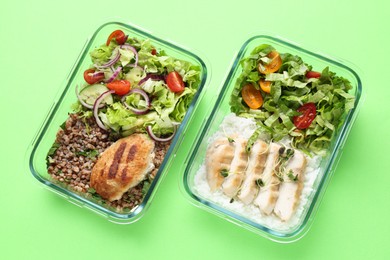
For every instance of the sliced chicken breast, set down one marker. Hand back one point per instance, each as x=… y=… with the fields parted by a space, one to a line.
x=233 y=181
x=291 y=188
x=256 y=163
x=269 y=191
x=219 y=156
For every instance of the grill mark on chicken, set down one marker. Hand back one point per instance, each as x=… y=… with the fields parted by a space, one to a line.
x=132 y=151
x=130 y=156
x=116 y=160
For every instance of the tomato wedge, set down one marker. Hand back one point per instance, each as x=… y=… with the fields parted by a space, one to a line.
x=265 y=85
x=309 y=112
x=121 y=87
x=252 y=96
x=273 y=65
x=313 y=74
x=91 y=77
x=175 y=81
x=118 y=35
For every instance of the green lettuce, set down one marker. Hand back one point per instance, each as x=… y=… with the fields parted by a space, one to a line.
x=290 y=89
x=102 y=54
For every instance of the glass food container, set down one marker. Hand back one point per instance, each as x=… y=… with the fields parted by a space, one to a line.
x=61 y=106
x=193 y=181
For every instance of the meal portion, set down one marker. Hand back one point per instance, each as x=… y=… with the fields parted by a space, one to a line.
x=131 y=101
x=123 y=166
x=270 y=177
x=262 y=161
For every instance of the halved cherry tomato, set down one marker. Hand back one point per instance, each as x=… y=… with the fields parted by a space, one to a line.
x=91 y=78
x=265 y=85
x=121 y=87
x=119 y=36
x=313 y=74
x=175 y=82
x=309 y=112
x=273 y=65
x=252 y=96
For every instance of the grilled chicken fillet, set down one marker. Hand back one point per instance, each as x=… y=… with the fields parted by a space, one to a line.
x=290 y=191
x=233 y=181
x=256 y=162
x=269 y=192
x=122 y=166
x=218 y=159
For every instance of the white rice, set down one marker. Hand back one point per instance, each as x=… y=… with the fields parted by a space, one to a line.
x=233 y=124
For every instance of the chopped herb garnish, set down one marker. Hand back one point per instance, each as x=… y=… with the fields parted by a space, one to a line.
x=224 y=173
x=89 y=153
x=231 y=140
x=91 y=190
x=291 y=176
x=289 y=153
x=63 y=125
x=145 y=187
x=53 y=149
x=259 y=182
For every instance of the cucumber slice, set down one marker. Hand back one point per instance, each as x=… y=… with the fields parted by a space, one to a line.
x=91 y=92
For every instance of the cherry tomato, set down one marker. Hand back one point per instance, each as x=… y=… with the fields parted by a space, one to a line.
x=91 y=77
x=118 y=35
x=265 y=85
x=252 y=96
x=175 y=82
x=313 y=74
x=154 y=51
x=121 y=87
x=304 y=120
x=273 y=65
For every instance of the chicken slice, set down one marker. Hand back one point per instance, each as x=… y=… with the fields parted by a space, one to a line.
x=269 y=189
x=219 y=156
x=233 y=181
x=256 y=163
x=291 y=188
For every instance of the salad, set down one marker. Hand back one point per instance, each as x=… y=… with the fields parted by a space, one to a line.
x=287 y=98
x=133 y=87
x=132 y=98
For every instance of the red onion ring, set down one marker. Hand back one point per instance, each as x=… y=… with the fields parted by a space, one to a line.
x=152 y=77
x=110 y=62
x=129 y=47
x=98 y=73
x=114 y=75
x=96 y=105
x=82 y=102
x=159 y=139
x=135 y=110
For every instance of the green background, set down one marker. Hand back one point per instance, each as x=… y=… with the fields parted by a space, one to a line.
x=40 y=40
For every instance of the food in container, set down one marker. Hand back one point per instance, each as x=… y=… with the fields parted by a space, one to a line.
x=270 y=144
x=114 y=130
